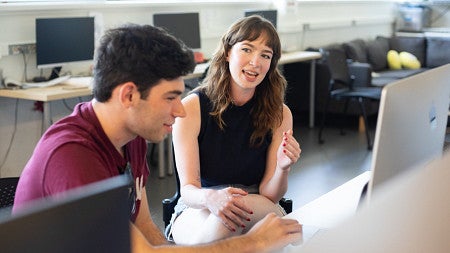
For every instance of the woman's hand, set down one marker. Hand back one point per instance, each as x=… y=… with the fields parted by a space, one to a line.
x=228 y=205
x=288 y=151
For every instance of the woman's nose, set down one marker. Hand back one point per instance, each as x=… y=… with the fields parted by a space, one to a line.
x=254 y=61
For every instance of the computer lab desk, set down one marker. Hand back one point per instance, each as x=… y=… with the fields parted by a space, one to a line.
x=46 y=95
x=330 y=209
x=334 y=206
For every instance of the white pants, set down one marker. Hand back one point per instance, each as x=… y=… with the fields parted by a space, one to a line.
x=196 y=226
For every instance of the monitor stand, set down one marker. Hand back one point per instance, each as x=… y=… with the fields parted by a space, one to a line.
x=55 y=73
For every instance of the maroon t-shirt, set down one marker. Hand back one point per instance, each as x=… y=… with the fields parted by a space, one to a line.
x=75 y=151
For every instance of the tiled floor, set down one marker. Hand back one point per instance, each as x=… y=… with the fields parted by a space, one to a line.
x=320 y=169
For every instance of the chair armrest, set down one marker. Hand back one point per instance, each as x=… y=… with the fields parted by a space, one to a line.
x=286 y=204
x=362 y=73
x=169 y=207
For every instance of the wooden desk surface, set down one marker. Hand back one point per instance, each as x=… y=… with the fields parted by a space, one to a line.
x=47 y=94
x=62 y=91
x=299 y=56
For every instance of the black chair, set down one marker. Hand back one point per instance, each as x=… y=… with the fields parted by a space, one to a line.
x=8 y=187
x=170 y=203
x=341 y=87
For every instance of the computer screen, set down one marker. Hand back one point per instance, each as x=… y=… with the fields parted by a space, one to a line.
x=92 y=218
x=184 y=26
x=270 y=15
x=64 y=40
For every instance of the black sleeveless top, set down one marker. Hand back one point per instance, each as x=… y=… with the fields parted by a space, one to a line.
x=226 y=157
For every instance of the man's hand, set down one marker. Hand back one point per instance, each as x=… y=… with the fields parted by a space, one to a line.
x=273 y=232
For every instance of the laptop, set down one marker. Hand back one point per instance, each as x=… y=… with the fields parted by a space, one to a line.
x=411 y=125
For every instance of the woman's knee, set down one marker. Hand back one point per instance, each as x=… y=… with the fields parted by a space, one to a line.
x=263 y=205
x=210 y=228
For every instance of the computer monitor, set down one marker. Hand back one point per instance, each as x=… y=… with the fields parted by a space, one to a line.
x=411 y=125
x=64 y=40
x=92 y=218
x=184 y=26
x=410 y=214
x=270 y=15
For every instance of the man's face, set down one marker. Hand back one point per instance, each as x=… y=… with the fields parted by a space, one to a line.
x=153 y=117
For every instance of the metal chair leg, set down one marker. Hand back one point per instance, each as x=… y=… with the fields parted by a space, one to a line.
x=322 y=125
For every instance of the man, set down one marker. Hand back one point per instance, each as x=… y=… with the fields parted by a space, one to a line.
x=137 y=96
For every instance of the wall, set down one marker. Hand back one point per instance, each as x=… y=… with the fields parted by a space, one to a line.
x=440 y=15
x=301 y=24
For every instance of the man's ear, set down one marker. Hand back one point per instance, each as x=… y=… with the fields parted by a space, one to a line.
x=128 y=93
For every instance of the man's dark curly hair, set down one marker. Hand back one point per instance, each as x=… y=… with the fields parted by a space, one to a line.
x=141 y=54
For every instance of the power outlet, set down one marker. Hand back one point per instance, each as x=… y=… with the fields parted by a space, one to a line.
x=27 y=48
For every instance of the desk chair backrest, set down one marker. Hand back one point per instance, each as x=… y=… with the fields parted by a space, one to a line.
x=8 y=187
x=341 y=87
x=337 y=64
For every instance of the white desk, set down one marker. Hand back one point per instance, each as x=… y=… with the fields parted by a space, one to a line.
x=331 y=208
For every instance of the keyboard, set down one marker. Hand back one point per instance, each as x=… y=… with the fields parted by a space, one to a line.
x=46 y=83
x=78 y=82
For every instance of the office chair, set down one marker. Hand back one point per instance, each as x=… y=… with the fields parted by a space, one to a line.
x=170 y=203
x=341 y=87
x=7 y=191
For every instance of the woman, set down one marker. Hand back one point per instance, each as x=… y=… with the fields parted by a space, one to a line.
x=235 y=147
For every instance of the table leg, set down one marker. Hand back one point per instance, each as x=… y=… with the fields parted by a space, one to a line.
x=165 y=157
x=47 y=116
x=312 y=93
x=170 y=165
x=161 y=158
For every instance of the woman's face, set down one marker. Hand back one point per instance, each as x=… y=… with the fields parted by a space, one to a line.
x=249 y=62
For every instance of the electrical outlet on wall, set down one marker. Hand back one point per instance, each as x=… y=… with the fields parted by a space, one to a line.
x=26 y=48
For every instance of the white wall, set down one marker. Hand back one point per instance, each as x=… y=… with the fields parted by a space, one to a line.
x=301 y=24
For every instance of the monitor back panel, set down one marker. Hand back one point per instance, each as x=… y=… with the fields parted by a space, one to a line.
x=94 y=218
x=411 y=124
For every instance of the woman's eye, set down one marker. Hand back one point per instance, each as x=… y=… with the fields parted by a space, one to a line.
x=266 y=56
x=247 y=50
